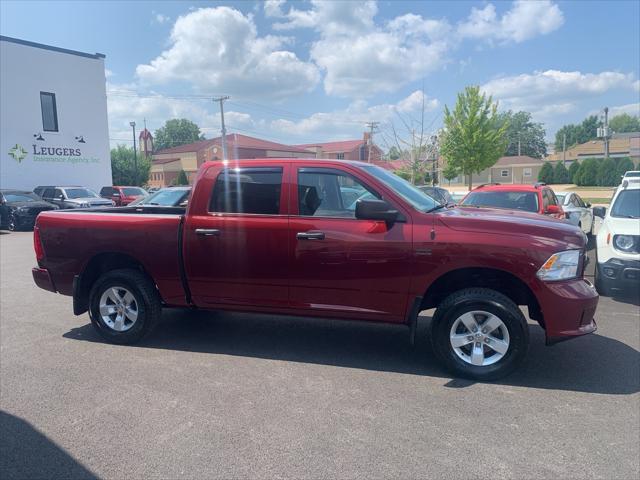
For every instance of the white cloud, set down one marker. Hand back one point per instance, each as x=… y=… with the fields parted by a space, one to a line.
x=273 y=8
x=159 y=18
x=350 y=122
x=218 y=50
x=630 y=109
x=526 y=19
x=108 y=73
x=552 y=92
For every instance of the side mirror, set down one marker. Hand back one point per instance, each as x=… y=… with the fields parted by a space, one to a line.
x=599 y=211
x=115 y=194
x=588 y=205
x=552 y=209
x=61 y=197
x=373 y=209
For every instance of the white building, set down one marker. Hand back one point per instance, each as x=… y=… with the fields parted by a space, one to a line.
x=53 y=117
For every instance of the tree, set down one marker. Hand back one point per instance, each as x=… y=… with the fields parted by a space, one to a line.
x=587 y=175
x=607 y=176
x=449 y=173
x=530 y=135
x=625 y=123
x=560 y=173
x=623 y=164
x=473 y=139
x=394 y=153
x=123 y=168
x=181 y=179
x=176 y=132
x=546 y=173
x=577 y=134
x=573 y=169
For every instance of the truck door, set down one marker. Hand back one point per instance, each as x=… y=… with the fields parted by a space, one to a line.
x=339 y=264
x=236 y=239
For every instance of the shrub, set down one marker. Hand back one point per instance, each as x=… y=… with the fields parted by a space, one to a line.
x=560 y=173
x=573 y=170
x=607 y=176
x=623 y=164
x=587 y=173
x=546 y=173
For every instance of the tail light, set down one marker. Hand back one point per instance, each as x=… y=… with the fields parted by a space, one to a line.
x=37 y=244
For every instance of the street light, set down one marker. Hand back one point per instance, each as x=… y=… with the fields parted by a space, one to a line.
x=135 y=155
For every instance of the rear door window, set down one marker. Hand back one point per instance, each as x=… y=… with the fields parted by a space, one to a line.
x=106 y=191
x=56 y=193
x=247 y=191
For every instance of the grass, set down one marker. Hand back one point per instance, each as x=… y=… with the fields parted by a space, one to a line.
x=597 y=200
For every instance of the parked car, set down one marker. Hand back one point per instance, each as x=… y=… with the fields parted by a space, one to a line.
x=166 y=197
x=458 y=195
x=274 y=235
x=631 y=174
x=438 y=193
x=122 y=196
x=618 y=240
x=19 y=209
x=576 y=210
x=74 y=197
x=537 y=198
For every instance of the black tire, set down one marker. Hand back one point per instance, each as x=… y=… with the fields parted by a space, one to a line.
x=146 y=296
x=490 y=301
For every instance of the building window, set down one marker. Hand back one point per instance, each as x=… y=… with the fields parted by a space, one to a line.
x=340 y=156
x=526 y=172
x=504 y=173
x=49 y=112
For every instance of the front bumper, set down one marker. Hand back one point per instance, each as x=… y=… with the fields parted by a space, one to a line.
x=620 y=273
x=43 y=279
x=568 y=309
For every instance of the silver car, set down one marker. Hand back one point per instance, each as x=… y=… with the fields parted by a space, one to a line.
x=577 y=210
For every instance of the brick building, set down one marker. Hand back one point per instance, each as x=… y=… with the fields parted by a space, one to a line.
x=346 y=149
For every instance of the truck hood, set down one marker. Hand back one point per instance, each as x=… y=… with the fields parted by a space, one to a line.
x=513 y=222
x=623 y=226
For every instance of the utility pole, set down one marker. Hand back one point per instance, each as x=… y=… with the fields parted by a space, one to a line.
x=604 y=132
x=564 y=147
x=135 y=155
x=372 y=126
x=224 y=130
x=518 y=144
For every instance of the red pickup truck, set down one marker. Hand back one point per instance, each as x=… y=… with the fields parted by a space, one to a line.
x=329 y=239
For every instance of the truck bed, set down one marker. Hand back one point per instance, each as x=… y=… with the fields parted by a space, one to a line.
x=150 y=235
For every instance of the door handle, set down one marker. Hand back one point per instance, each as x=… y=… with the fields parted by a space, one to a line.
x=208 y=232
x=310 y=236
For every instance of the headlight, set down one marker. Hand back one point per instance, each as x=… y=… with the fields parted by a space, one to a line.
x=560 y=266
x=623 y=242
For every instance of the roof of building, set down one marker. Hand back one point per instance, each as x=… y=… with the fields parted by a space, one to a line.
x=512 y=160
x=330 y=147
x=233 y=140
x=595 y=148
x=50 y=47
x=162 y=161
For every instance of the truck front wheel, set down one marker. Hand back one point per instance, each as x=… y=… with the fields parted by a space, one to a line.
x=480 y=334
x=124 y=306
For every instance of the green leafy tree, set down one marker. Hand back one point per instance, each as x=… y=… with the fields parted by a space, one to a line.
x=546 y=173
x=181 y=179
x=449 y=173
x=577 y=134
x=573 y=169
x=176 y=132
x=623 y=165
x=587 y=175
x=394 y=153
x=123 y=169
x=607 y=176
x=403 y=174
x=625 y=123
x=521 y=129
x=473 y=138
x=560 y=173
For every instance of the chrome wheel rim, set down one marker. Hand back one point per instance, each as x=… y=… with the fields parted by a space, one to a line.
x=118 y=309
x=479 y=338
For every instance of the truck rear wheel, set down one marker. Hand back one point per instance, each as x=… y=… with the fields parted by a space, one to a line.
x=480 y=334
x=124 y=306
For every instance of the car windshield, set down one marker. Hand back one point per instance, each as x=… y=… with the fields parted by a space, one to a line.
x=632 y=175
x=418 y=199
x=169 y=197
x=527 y=201
x=627 y=204
x=133 y=191
x=560 y=197
x=21 y=197
x=80 y=193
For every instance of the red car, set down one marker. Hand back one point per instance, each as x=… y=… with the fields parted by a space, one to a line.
x=538 y=198
x=279 y=236
x=122 y=195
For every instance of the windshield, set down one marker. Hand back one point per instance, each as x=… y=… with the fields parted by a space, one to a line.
x=527 y=201
x=133 y=191
x=21 y=197
x=560 y=197
x=419 y=200
x=627 y=204
x=169 y=197
x=632 y=174
x=80 y=193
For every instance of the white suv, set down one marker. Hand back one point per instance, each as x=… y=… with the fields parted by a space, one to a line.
x=618 y=240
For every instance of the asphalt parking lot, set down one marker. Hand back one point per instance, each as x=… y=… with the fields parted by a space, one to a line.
x=248 y=396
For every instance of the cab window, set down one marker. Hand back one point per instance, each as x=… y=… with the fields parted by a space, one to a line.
x=249 y=191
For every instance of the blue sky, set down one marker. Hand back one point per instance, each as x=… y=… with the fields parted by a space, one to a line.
x=308 y=71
